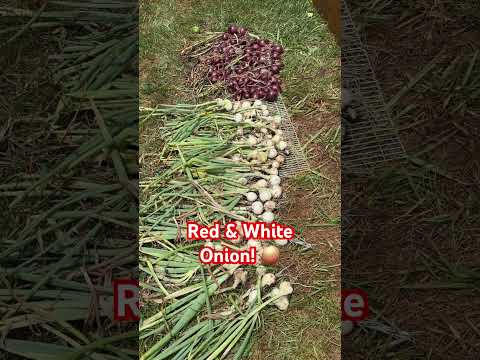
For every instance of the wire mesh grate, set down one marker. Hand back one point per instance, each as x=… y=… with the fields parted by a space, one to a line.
x=296 y=161
x=372 y=140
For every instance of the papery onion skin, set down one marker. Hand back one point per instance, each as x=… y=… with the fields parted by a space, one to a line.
x=270 y=255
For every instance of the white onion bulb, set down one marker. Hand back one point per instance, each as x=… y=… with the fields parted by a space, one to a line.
x=243 y=181
x=237 y=157
x=252 y=141
x=262 y=157
x=253 y=155
x=272 y=153
x=276 y=139
x=276 y=191
x=268 y=217
x=282 y=145
x=275 y=180
x=270 y=205
x=282 y=303
x=252 y=297
x=277 y=119
x=265 y=194
x=273 y=171
x=268 y=280
x=257 y=207
x=238 y=118
x=269 y=143
x=251 y=196
x=285 y=288
x=262 y=183
x=227 y=104
x=246 y=105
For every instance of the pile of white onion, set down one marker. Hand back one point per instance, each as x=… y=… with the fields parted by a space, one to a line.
x=268 y=152
x=260 y=131
x=278 y=294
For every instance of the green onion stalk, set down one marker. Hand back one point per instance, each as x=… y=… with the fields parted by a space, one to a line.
x=205 y=172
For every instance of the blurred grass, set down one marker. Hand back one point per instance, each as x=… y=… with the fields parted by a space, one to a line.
x=425 y=268
x=68 y=142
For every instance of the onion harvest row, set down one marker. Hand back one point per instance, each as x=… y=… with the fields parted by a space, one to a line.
x=219 y=162
x=228 y=152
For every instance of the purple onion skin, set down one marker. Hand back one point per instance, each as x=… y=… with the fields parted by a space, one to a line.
x=277 y=48
x=256 y=75
x=272 y=95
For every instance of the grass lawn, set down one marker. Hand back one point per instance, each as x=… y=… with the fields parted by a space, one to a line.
x=310 y=329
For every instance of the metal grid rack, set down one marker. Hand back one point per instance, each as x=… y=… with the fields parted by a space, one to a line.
x=296 y=161
x=373 y=139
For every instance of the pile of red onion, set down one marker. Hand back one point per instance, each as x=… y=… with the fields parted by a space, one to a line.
x=248 y=67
